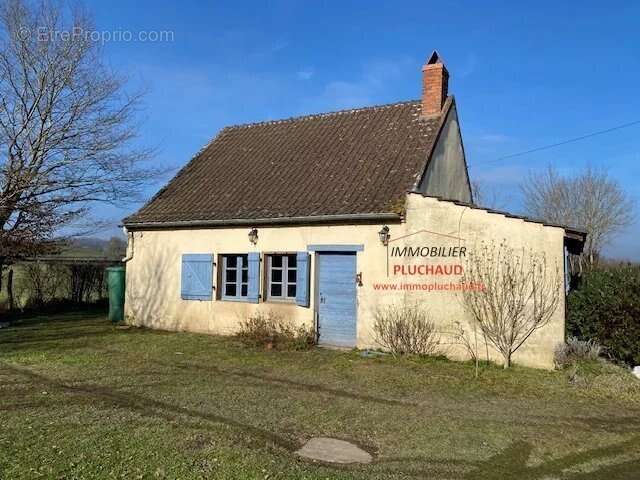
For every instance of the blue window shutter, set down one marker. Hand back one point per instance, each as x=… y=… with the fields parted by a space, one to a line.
x=302 y=279
x=196 y=281
x=253 y=290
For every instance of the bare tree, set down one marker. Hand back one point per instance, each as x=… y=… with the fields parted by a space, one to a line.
x=66 y=125
x=521 y=293
x=115 y=248
x=487 y=197
x=469 y=341
x=592 y=201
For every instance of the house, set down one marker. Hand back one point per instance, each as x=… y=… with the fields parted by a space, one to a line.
x=323 y=219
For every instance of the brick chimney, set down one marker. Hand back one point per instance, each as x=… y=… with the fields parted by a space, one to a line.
x=435 y=84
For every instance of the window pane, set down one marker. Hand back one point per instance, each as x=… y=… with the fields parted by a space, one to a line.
x=291 y=291
x=232 y=261
x=291 y=275
x=245 y=275
x=230 y=275
x=243 y=289
x=276 y=276
x=291 y=261
x=276 y=260
x=230 y=290
x=276 y=290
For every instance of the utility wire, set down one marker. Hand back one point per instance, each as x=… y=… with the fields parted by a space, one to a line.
x=553 y=145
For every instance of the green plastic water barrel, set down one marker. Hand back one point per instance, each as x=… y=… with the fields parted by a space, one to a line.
x=115 y=281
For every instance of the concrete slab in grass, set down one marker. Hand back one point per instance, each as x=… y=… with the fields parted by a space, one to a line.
x=332 y=450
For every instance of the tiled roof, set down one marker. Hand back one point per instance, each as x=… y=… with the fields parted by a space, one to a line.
x=351 y=162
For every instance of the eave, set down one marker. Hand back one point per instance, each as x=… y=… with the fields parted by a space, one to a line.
x=360 y=218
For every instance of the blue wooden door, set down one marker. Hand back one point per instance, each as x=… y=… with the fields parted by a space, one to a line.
x=337 y=299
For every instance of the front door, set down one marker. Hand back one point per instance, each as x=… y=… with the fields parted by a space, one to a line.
x=337 y=299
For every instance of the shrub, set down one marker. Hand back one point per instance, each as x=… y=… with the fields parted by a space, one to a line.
x=575 y=350
x=405 y=329
x=603 y=379
x=606 y=307
x=272 y=331
x=42 y=283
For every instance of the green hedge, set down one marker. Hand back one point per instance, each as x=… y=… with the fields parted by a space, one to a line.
x=606 y=307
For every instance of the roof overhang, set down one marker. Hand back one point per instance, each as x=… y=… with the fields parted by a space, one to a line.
x=281 y=221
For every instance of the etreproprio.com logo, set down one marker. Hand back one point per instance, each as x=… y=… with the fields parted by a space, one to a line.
x=43 y=34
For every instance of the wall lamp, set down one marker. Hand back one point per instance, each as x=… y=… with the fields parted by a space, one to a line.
x=253 y=235
x=384 y=235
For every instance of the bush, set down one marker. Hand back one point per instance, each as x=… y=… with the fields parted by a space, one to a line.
x=575 y=350
x=272 y=331
x=405 y=329
x=606 y=307
x=43 y=282
x=603 y=379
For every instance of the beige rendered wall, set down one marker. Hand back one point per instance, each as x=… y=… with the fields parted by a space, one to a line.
x=153 y=273
x=431 y=222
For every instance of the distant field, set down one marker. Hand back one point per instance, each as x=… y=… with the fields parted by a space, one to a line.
x=82 y=399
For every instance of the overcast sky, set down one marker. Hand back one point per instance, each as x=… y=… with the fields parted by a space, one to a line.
x=523 y=76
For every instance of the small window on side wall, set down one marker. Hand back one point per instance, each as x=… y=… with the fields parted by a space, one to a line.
x=282 y=273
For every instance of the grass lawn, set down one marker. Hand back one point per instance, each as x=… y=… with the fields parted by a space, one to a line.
x=80 y=398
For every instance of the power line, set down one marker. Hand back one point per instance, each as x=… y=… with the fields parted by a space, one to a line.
x=553 y=145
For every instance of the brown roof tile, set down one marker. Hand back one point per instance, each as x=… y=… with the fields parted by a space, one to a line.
x=343 y=163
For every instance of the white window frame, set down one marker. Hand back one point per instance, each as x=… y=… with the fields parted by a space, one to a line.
x=285 y=282
x=242 y=264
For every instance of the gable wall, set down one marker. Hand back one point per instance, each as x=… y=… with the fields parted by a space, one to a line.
x=446 y=174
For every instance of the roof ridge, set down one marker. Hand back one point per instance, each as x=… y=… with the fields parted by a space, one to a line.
x=321 y=114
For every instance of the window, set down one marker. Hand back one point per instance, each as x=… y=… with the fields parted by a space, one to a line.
x=235 y=277
x=282 y=271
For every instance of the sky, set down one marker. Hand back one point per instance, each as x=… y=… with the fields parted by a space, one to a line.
x=524 y=74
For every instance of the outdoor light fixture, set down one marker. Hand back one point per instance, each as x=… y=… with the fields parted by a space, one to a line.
x=253 y=235
x=384 y=235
